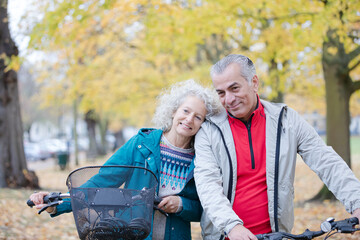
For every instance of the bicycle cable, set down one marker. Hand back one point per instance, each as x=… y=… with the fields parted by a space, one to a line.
x=330 y=234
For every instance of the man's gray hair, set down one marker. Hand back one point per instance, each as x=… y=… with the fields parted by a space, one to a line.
x=247 y=67
x=170 y=100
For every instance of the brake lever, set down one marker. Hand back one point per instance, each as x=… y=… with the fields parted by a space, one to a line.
x=162 y=211
x=51 y=204
x=346 y=226
x=157 y=200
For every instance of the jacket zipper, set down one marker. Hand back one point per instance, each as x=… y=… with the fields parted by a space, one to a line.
x=277 y=156
x=248 y=127
x=229 y=193
x=276 y=175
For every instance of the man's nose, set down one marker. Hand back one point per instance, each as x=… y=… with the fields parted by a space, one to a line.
x=229 y=98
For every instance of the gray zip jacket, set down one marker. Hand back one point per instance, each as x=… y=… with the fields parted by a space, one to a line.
x=216 y=167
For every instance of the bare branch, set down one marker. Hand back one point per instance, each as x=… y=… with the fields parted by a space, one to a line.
x=353 y=36
x=279 y=17
x=239 y=43
x=355 y=53
x=353 y=67
x=355 y=86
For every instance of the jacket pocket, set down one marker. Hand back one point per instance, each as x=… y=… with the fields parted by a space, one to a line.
x=286 y=206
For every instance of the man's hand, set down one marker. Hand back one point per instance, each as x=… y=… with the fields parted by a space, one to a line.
x=239 y=232
x=356 y=213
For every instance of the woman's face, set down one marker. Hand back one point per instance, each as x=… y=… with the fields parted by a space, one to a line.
x=189 y=116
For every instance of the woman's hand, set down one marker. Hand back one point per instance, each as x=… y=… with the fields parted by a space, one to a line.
x=38 y=200
x=170 y=204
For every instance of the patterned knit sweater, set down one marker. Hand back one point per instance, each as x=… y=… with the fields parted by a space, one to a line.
x=175 y=163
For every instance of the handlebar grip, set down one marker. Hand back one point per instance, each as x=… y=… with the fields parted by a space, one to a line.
x=46 y=199
x=354 y=220
x=157 y=200
x=30 y=203
x=349 y=229
x=260 y=236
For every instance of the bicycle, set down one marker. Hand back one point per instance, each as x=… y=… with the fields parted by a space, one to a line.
x=109 y=202
x=328 y=227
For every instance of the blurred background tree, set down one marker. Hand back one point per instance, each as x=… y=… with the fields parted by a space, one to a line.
x=13 y=167
x=296 y=44
x=109 y=59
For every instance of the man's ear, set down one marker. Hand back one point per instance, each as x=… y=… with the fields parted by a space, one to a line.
x=255 y=83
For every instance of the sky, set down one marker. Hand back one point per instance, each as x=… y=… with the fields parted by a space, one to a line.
x=19 y=29
x=16 y=10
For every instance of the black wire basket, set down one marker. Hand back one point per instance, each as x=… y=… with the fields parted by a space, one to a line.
x=112 y=202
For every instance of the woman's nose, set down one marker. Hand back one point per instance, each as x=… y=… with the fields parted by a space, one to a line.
x=190 y=117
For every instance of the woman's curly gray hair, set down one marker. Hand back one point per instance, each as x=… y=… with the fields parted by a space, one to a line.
x=171 y=99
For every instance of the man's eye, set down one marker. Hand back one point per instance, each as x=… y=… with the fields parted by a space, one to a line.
x=199 y=118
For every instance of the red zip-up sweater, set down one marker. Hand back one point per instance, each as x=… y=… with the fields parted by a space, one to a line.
x=251 y=200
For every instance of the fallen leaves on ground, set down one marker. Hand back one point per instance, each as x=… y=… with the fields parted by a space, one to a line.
x=17 y=221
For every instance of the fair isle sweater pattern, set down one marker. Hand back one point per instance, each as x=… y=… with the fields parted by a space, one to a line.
x=174 y=168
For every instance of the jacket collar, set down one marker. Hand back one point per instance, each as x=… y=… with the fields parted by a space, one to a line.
x=151 y=140
x=151 y=137
x=271 y=110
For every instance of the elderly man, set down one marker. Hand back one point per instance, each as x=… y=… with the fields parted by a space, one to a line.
x=246 y=156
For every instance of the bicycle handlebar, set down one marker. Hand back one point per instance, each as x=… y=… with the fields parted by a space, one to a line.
x=342 y=226
x=55 y=198
x=51 y=200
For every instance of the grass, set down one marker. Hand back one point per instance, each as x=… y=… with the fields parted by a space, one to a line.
x=355 y=145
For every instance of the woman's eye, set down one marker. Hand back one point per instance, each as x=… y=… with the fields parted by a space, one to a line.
x=186 y=111
x=199 y=118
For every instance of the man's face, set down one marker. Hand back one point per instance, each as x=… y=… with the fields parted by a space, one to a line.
x=235 y=93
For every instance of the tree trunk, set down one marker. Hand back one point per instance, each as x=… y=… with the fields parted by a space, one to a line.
x=13 y=167
x=91 y=127
x=103 y=126
x=119 y=139
x=338 y=114
x=338 y=91
x=276 y=83
x=75 y=134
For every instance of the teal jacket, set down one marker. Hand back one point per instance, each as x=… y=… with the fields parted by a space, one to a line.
x=144 y=150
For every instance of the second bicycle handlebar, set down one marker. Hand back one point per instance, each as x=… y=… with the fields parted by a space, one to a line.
x=342 y=226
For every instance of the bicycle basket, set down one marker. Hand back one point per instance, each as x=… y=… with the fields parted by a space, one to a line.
x=112 y=202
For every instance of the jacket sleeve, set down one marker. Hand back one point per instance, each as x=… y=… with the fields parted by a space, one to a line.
x=209 y=184
x=191 y=211
x=191 y=207
x=327 y=164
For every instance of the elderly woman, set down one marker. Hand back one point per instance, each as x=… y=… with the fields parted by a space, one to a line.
x=179 y=115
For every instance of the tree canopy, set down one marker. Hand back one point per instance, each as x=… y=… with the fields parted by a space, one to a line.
x=115 y=56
